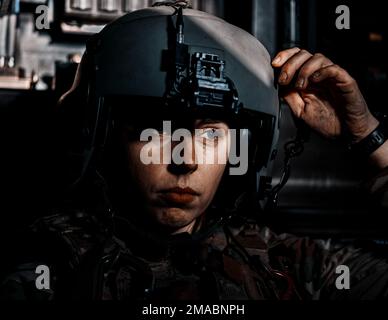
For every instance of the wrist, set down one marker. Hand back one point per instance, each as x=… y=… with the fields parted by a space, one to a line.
x=364 y=128
x=371 y=142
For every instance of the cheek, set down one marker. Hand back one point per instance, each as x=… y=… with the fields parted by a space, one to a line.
x=212 y=175
x=140 y=173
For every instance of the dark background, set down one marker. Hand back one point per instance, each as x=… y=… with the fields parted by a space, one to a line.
x=323 y=196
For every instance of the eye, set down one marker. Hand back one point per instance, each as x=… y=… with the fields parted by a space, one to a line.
x=211 y=134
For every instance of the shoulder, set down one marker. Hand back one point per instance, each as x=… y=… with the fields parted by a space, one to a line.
x=315 y=265
x=319 y=265
x=60 y=242
x=73 y=234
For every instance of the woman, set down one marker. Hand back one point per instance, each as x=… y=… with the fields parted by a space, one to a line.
x=149 y=224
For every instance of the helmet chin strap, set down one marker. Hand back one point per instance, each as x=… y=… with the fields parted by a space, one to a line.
x=292 y=149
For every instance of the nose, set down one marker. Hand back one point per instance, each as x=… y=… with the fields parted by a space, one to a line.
x=182 y=169
x=187 y=163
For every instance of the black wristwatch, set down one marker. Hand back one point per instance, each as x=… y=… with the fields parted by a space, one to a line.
x=372 y=142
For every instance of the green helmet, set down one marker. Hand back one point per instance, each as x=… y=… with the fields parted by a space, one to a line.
x=182 y=59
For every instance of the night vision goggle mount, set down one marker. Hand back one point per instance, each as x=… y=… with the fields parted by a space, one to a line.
x=199 y=79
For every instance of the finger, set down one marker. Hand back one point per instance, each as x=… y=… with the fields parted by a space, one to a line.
x=318 y=61
x=295 y=102
x=292 y=65
x=343 y=80
x=283 y=56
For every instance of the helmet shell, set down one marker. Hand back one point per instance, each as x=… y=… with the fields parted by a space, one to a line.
x=129 y=59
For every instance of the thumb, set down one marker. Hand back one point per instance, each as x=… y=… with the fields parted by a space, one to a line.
x=295 y=102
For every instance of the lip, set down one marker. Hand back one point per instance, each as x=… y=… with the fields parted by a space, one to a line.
x=179 y=195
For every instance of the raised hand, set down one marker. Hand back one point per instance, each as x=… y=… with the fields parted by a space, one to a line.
x=323 y=94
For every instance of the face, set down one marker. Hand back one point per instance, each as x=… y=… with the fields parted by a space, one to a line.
x=176 y=194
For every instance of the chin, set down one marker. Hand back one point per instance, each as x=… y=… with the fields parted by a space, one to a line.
x=174 y=217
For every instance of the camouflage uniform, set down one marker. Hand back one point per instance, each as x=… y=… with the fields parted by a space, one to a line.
x=93 y=258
